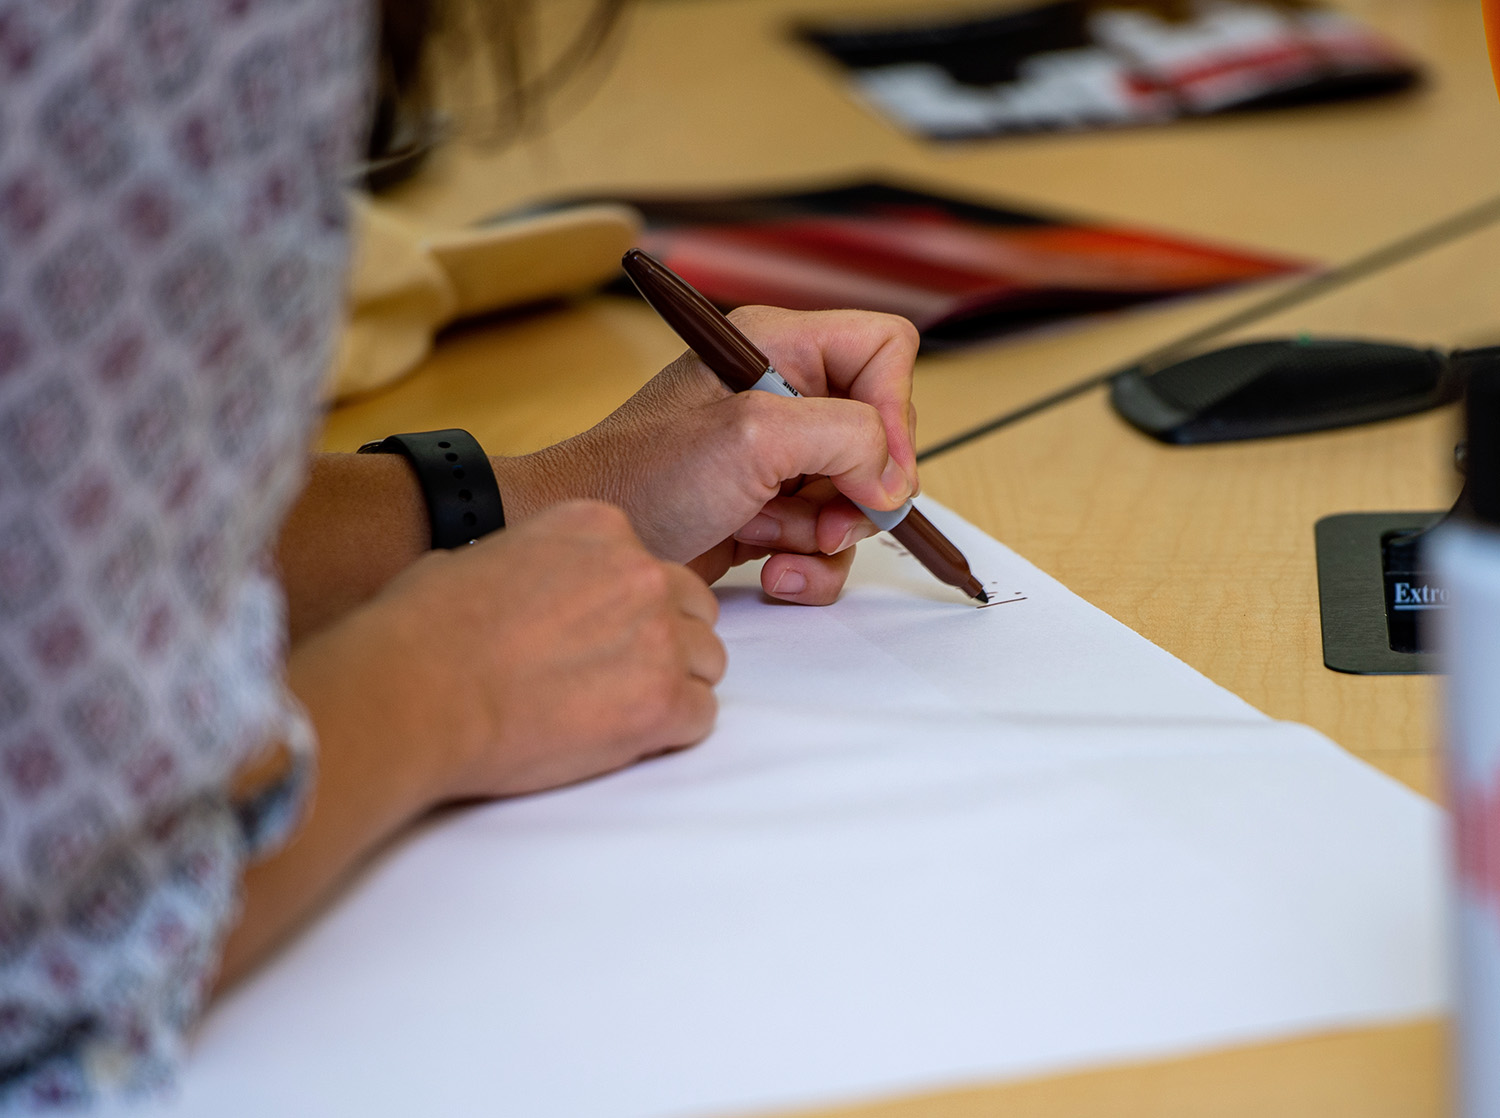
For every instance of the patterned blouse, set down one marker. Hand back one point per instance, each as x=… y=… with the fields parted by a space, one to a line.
x=171 y=250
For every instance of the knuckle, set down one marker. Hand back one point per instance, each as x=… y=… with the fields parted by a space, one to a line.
x=589 y=515
x=754 y=421
x=896 y=330
x=752 y=313
x=651 y=580
x=607 y=517
x=906 y=331
x=644 y=578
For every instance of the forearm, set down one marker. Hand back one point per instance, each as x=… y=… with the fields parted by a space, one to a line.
x=373 y=779
x=360 y=521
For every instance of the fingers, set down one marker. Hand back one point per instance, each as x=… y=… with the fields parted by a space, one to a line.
x=809 y=580
x=691 y=595
x=704 y=653
x=841 y=526
x=696 y=710
x=862 y=355
x=658 y=586
x=844 y=440
x=783 y=524
x=818 y=518
x=678 y=707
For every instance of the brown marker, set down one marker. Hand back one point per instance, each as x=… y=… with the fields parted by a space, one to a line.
x=744 y=368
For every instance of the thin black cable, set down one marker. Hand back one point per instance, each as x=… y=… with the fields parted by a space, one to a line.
x=1386 y=256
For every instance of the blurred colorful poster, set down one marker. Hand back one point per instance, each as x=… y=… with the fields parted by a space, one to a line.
x=1083 y=64
x=959 y=270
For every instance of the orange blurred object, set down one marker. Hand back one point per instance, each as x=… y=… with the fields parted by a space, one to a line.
x=1492 y=33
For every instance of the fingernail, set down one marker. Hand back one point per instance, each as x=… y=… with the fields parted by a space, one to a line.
x=851 y=537
x=790 y=582
x=894 y=481
x=761 y=529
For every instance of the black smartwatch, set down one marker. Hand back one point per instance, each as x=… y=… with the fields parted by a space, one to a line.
x=463 y=498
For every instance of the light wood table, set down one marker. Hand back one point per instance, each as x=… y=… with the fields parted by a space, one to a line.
x=1207 y=551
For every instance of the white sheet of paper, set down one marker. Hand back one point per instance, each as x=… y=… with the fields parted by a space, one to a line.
x=928 y=845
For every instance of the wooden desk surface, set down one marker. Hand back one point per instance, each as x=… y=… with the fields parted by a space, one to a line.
x=1207 y=551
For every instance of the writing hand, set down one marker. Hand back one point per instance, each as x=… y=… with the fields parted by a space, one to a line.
x=712 y=479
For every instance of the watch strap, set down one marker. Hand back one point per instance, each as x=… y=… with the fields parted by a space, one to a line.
x=456 y=479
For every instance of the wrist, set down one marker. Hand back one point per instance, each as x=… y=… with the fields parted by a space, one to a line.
x=458 y=484
x=365 y=697
x=359 y=521
x=533 y=483
x=522 y=486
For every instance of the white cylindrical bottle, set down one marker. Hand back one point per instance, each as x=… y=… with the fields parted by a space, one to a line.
x=1465 y=555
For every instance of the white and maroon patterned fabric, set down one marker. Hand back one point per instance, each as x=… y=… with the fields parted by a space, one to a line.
x=171 y=250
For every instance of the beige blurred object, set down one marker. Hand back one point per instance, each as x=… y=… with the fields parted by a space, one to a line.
x=407 y=283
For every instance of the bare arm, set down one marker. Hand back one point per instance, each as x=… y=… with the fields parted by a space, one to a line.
x=370 y=784
x=359 y=522
x=540 y=656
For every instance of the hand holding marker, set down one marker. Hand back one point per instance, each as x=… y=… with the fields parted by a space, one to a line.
x=740 y=365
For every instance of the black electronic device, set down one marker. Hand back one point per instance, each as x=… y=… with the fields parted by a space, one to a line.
x=1283 y=386
x=1377 y=590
